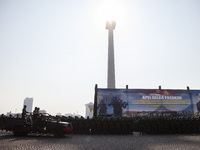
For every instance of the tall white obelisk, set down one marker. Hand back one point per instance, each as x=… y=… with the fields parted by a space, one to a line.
x=110 y=25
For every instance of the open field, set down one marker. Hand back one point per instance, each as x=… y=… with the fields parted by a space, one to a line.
x=101 y=142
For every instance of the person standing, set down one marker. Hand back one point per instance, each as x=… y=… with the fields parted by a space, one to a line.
x=35 y=115
x=24 y=112
x=198 y=103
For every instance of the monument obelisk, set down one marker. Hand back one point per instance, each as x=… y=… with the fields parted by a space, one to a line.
x=110 y=25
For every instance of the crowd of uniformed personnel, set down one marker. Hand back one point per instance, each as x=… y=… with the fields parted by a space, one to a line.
x=128 y=125
x=144 y=125
x=101 y=125
x=169 y=125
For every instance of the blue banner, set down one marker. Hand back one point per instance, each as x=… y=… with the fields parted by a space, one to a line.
x=132 y=102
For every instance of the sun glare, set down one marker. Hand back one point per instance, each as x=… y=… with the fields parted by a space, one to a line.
x=110 y=10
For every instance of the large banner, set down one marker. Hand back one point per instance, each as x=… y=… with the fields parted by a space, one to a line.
x=131 y=102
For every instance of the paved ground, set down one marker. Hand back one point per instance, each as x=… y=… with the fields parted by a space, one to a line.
x=101 y=142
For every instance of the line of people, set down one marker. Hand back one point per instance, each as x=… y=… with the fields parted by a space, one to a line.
x=169 y=125
x=144 y=125
x=101 y=125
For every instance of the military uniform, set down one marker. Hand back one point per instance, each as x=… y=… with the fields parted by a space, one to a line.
x=87 y=126
x=24 y=112
x=105 y=126
x=198 y=106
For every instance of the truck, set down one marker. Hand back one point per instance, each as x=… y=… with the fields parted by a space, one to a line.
x=44 y=124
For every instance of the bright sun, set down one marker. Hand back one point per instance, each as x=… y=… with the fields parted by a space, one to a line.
x=110 y=10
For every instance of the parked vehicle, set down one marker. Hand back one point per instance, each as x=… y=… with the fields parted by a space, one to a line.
x=43 y=124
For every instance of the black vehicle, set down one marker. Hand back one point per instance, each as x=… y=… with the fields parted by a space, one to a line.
x=43 y=124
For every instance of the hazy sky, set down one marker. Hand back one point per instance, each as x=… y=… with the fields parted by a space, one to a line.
x=55 y=51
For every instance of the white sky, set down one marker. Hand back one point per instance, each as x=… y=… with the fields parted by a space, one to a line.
x=55 y=51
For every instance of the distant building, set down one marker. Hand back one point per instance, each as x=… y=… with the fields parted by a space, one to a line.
x=89 y=110
x=69 y=114
x=58 y=114
x=29 y=104
x=9 y=113
x=72 y=115
x=42 y=111
x=15 y=115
